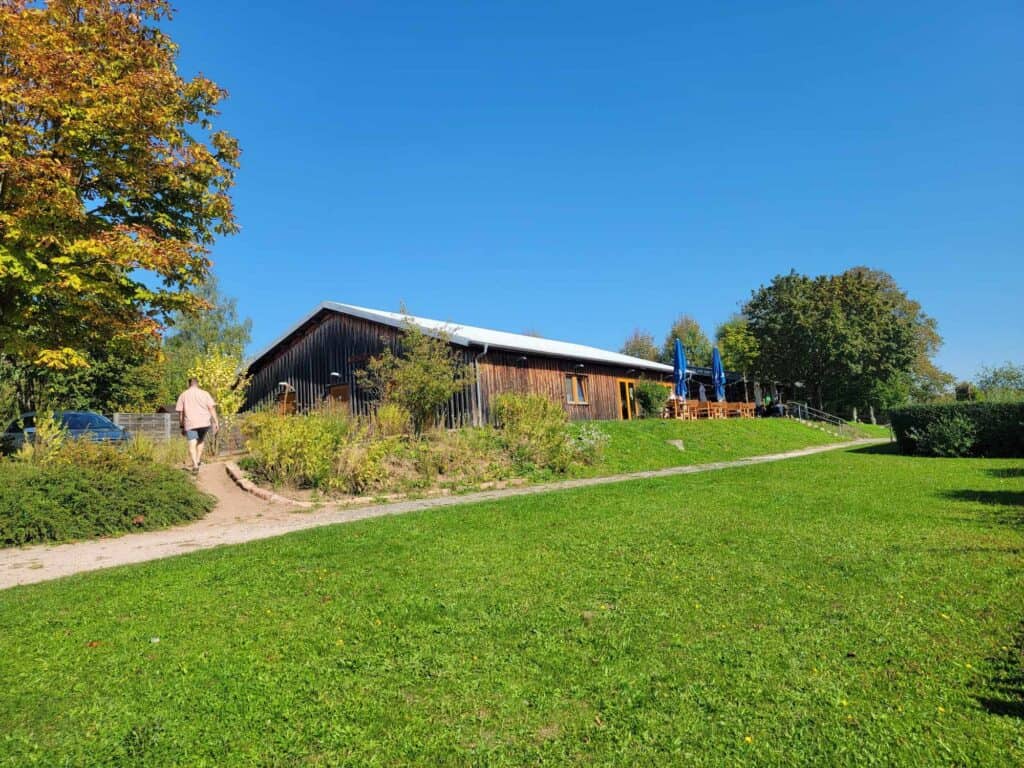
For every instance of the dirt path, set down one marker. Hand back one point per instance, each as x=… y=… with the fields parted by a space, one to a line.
x=240 y=517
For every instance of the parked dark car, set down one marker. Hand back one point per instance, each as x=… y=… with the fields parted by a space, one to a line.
x=79 y=425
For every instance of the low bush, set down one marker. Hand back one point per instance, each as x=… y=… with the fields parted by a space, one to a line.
x=998 y=428
x=950 y=436
x=652 y=398
x=300 y=451
x=172 y=452
x=460 y=458
x=85 y=490
x=534 y=431
x=392 y=420
x=360 y=466
x=328 y=451
x=536 y=434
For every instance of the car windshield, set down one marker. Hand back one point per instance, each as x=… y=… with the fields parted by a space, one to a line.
x=16 y=426
x=86 y=421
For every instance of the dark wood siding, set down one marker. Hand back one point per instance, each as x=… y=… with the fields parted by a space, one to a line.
x=509 y=372
x=332 y=342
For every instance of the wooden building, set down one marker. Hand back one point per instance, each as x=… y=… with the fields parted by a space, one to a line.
x=318 y=359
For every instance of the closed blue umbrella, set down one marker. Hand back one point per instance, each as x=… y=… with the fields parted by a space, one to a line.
x=679 y=371
x=717 y=375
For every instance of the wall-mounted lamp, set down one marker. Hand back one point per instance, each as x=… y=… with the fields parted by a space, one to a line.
x=579 y=365
x=335 y=375
x=286 y=385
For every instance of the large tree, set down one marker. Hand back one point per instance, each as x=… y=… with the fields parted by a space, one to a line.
x=216 y=330
x=853 y=340
x=113 y=183
x=1002 y=382
x=640 y=344
x=695 y=342
x=120 y=375
x=738 y=347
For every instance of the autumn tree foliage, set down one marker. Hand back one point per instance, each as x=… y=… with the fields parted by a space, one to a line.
x=113 y=182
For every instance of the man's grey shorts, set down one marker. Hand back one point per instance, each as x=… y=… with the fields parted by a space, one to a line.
x=198 y=434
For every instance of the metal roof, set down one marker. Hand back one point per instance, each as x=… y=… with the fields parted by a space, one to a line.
x=466 y=335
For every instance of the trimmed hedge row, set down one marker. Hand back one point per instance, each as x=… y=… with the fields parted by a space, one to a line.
x=998 y=427
x=64 y=502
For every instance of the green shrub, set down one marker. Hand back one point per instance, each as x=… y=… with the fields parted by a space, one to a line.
x=422 y=378
x=359 y=467
x=534 y=430
x=48 y=441
x=63 y=500
x=951 y=435
x=460 y=458
x=998 y=427
x=299 y=451
x=652 y=397
x=392 y=420
x=331 y=452
x=170 y=452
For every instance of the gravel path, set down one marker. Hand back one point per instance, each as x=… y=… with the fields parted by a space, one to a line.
x=240 y=517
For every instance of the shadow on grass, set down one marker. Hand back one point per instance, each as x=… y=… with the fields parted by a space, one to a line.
x=1004 y=694
x=1007 y=506
x=1006 y=473
x=880 y=448
x=994 y=498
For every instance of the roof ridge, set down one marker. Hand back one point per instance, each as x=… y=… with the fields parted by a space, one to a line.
x=466 y=335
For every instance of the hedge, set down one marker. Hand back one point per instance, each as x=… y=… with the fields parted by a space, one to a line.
x=999 y=426
x=65 y=502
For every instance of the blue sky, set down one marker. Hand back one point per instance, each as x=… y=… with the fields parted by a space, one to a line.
x=584 y=169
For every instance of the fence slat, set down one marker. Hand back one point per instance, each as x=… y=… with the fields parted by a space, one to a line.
x=155 y=426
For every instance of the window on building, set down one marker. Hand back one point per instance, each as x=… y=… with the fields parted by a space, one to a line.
x=576 y=389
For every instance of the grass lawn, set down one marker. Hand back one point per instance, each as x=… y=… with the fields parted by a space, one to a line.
x=851 y=608
x=638 y=445
x=874 y=430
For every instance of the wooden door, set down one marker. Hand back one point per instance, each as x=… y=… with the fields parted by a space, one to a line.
x=627 y=399
x=340 y=396
x=286 y=402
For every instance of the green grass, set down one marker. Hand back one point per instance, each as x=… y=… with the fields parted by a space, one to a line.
x=852 y=608
x=638 y=445
x=874 y=430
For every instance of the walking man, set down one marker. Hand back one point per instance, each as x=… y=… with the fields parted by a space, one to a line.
x=197 y=415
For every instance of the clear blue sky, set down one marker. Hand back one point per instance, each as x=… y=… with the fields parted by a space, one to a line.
x=583 y=169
